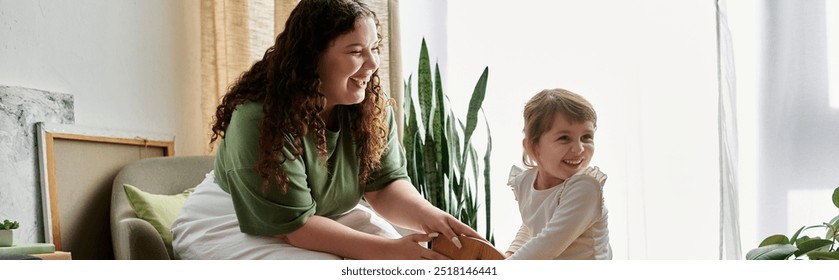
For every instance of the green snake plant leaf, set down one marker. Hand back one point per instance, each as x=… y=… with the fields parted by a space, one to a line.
x=425 y=86
x=475 y=105
x=443 y=163
x=487 y=184
x=472 y=113
x=417 y=172
x=772 y=252
x=440 y=139
x=455 y=154
x=431 y=172
x=473 y=159
x=410 y=131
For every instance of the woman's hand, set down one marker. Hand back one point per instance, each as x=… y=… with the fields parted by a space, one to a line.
x=401 y=204
x=326 y=235
x=433 y=220
x=408 y=248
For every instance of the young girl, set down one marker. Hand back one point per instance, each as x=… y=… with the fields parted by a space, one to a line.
x=560 y=197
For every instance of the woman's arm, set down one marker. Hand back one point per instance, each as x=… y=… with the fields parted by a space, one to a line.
x=401 y=204
x=326 y=235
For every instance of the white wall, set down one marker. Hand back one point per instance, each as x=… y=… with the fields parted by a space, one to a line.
x=423 y=19
x=129 y=64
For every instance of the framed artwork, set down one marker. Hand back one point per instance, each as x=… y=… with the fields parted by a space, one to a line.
x=77 y=167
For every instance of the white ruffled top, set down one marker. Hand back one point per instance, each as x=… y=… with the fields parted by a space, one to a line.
x=567 y=221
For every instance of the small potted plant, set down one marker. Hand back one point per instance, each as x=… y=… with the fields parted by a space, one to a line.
x=6 y=236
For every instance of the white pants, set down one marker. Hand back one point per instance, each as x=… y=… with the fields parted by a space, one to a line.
x=207 y=229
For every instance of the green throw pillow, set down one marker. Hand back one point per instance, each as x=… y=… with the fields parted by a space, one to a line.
x=159 y=210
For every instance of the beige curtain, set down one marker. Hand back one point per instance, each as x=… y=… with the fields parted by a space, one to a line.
x=236 y=33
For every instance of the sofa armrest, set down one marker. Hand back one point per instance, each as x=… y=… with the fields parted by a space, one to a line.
x=137 y=233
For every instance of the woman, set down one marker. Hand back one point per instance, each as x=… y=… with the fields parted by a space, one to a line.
x=304 y=135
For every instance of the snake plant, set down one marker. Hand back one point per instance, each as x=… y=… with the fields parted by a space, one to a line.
x=443 y=163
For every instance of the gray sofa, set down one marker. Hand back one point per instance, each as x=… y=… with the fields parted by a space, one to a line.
x=134 y=238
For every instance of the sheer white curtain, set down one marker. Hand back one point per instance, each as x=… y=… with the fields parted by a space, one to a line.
x=729 y=142
x=650 y=69
x=788 y=128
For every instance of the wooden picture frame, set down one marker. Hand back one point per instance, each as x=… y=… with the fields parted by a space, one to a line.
x=77 y=167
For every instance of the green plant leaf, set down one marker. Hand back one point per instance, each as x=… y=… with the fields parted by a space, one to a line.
x=771 y=252
x=807 y=246
x=431 y=173
x=836 y=197
x=795 y=236
x=444 y=169
x=439 y=121
x=822 y=255
x=473 y=164
x=455 y=155
x=451 y=152
x=796 y=239
x=487 y=184
x=833 y=228
x=409 y=133
x=774 y=239
x=475 y=104
x=425 y=86
x=420 y=167
x=9 y=224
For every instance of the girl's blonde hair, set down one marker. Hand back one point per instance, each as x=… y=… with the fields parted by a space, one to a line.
x=542 y=108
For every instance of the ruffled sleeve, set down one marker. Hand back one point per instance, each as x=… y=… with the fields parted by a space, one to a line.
x=514 y=179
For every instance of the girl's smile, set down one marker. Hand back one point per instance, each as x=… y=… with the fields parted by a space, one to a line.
x=562 y=151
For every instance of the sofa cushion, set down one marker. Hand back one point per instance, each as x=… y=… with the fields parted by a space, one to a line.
x=159 y=210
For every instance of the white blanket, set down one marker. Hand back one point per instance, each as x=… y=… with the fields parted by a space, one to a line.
x=207 y=229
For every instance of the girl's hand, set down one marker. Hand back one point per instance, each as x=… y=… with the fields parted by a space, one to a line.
x=408 y=248
x=434 y=220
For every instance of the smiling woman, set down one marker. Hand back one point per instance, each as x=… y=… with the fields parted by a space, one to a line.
x=304 y=135
x=348 y=65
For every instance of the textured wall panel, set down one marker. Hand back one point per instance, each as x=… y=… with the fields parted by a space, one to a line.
x=20 y=190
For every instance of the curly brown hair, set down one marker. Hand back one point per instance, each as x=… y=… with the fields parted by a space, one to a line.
x=286 y=77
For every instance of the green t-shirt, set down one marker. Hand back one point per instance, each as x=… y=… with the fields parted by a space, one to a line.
x=313 y=188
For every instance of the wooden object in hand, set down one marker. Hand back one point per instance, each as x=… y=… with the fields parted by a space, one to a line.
x=473 y=249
